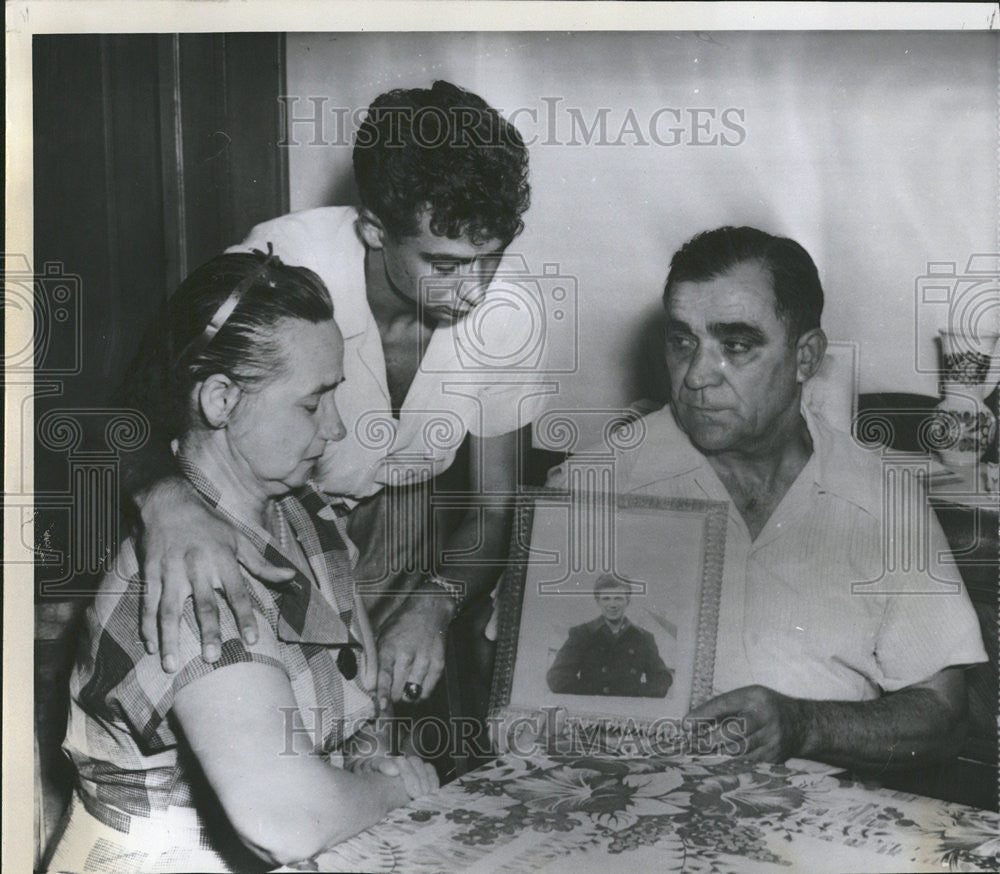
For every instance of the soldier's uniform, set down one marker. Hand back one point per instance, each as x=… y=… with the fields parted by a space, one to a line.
x=596 y=661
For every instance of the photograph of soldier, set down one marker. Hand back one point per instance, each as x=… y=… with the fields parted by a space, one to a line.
x=610 y=655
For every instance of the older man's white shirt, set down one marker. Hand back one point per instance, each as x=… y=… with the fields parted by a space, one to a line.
x=792 y=616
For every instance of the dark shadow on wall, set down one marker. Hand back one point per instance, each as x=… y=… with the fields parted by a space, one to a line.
x=648 y=379
x=152 y=153
x=341 y=190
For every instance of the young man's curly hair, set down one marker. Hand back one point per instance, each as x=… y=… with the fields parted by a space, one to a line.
x=445 y=150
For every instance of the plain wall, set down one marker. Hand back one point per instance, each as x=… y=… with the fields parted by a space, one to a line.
x=876 y=151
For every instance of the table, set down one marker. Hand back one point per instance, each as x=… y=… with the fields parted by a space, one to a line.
x=667 y=813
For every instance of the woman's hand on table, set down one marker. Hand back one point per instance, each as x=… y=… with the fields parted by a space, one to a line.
x=187 y=550
x=379 y=748
x=417 y=776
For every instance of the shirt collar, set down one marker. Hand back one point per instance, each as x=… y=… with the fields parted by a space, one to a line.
x=350 y=299
x=622 y=627
x=348 y=293
x=837 y=464
x=304 y=614
x=600 y=623
x=667 y=453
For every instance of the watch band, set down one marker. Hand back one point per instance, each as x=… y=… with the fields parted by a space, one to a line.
x=455 y=591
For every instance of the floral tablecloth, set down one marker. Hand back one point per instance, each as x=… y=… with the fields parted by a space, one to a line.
x=677 y=813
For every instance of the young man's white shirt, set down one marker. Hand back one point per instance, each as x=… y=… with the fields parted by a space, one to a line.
x=471 y=379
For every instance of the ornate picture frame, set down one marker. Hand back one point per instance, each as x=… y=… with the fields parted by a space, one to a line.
x=568 y=549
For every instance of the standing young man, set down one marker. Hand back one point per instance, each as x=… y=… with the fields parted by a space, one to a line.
x=443 y=185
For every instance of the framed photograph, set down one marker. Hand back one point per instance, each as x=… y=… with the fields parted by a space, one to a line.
x=608 y=609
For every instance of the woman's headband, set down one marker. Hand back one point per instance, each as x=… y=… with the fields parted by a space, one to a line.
x=228 y=306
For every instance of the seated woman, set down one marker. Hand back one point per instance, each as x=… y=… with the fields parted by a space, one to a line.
x=259 y=750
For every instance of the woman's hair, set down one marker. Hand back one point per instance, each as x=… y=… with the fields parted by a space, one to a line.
x=221 y=319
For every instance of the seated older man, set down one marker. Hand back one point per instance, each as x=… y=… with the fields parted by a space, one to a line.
x=817 y=664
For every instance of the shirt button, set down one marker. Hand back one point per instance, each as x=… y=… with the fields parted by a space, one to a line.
x=604 y=669
x=607 y=690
